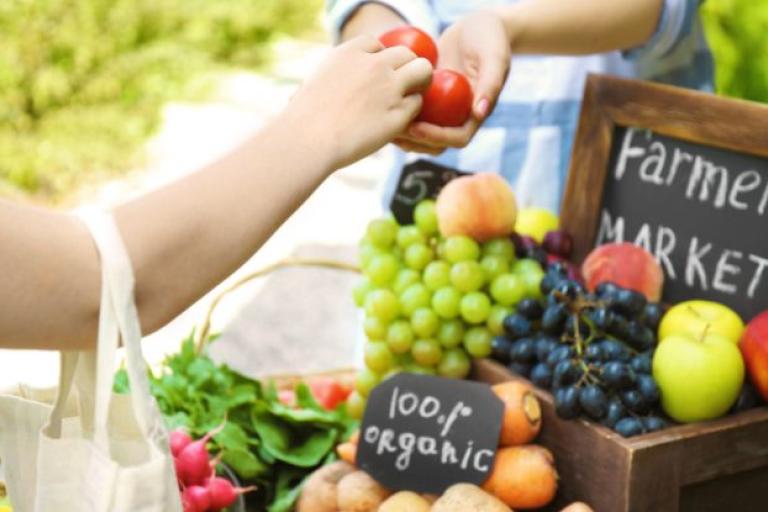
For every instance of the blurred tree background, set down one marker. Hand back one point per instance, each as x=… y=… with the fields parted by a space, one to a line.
x=83 y=82
x=737 y=30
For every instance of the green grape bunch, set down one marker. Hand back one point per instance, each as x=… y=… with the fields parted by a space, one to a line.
x=434 y=303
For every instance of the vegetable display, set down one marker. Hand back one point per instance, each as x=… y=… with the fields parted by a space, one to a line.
x=265 y=442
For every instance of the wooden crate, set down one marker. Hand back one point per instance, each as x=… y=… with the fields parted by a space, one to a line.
x=720 y=465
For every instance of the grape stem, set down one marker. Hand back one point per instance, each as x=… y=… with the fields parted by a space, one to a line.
x=577 y=335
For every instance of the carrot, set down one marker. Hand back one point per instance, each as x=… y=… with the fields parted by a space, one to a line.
x=347 y=452
x=522 y=415
x=523 y=477
x=354 y=438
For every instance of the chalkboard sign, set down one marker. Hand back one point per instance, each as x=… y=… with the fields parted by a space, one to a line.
x=424 y=433
x=684 y=175
x=419 y=180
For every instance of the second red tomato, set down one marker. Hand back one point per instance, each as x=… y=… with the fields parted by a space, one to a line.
x=448 y=101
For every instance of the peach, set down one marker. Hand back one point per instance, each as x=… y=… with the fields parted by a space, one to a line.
x=481 y=206
x=626 y=265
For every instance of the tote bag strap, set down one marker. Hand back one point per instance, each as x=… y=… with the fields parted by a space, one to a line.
x=81 y=367
x=68 y=365
x=117 y=274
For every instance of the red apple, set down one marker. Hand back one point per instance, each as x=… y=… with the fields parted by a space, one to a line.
x=754 y=348
x=481 y=206
x=627 y=265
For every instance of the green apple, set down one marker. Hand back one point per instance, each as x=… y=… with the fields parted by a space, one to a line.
x=536 y=222
x=693 y=317
x=699 y=378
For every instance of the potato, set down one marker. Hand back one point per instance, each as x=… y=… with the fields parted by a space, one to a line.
x=319 y=492
x=405 y=501
x=465 y=497
x=358 y=492
x=431 y=498
x=577 y=506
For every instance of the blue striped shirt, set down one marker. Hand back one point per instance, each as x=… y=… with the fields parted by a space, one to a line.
x=529 y=135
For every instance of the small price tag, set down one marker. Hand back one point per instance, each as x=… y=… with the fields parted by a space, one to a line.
x=425 y=433
x=419 y=180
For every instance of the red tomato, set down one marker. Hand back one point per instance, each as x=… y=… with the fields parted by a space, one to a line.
x=328 y=392
x=413 y=38
x=448 y=101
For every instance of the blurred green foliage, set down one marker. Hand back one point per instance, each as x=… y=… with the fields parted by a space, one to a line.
x=82 y=82
x=737 y=31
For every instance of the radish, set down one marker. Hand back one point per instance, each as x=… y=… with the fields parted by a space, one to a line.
x=179 y=440
x=192 y=464
x=223 y=493
x=187 y=505
x=180 y=474
x=198 y=498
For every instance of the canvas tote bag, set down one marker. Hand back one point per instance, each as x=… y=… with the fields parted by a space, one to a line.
x=107 y=453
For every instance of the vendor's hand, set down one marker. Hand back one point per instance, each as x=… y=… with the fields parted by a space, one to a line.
x=361 y=96
x=478 y=45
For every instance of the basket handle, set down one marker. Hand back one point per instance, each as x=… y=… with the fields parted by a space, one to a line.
x=202 y=333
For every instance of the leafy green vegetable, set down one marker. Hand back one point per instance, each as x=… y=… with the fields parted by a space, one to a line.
x=288 y=487
x=263 y=441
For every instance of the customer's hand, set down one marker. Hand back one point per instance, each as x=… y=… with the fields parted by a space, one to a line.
x=359 y=99
x=478 y=45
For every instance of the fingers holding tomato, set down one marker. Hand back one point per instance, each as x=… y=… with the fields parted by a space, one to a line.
x=445 y=119
x=448 y=100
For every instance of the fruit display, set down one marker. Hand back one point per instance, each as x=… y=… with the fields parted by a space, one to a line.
x=432 y=301
x=610 y=354
x=592 y=350
x=448 y=99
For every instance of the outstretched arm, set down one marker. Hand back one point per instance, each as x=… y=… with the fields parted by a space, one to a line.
x=186 y=237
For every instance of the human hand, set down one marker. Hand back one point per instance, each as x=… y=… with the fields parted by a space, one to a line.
x=360 y=97
x=479 y=46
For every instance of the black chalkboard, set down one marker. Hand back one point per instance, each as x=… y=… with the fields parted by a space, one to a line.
x=419 y=180
x=702 y=211
x=424 y=433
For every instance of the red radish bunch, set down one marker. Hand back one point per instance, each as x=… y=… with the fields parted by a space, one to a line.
x=201 y=490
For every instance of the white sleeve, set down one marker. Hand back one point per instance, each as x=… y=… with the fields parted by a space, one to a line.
x=414 y=12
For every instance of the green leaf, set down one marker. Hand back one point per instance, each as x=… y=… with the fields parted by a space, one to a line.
x=303 y=415
x=300 y=447
x=289 y=484
x=177 y=419
x=121 y=386
x=244 y=463
x=232 y=437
